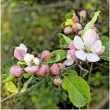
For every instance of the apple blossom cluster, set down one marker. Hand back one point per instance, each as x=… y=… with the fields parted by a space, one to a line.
x=34 y=64
x=85 y=47
x=88 y=48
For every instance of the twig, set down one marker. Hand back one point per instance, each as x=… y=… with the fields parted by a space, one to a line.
x=18 y=95
x=83 y=68
x=90 y=71
x=43 y=7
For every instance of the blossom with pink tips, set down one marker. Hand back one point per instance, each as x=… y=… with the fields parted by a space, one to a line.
x=71 y=45
x=46 y=55
x=16 y=71
x=20 y=52
x=71 y=57
x=77 y=27
x=83 y=14
x=75 y=19
x=101 y=51
x=61 y=66
x=68 y=30
x=55 y=69
x=88 y=46
x=42 y=70
x=31 y=69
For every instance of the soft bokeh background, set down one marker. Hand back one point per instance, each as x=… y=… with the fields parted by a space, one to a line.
x=36 y=24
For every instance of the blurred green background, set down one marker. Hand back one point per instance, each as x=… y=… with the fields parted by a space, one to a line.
x=36 y=24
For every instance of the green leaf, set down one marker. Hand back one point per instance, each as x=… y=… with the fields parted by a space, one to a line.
x=67 y=39
x=26 y=84
x=10 y=86
x=58 y=55
x=105 y=42
x=9 y=78
x=78 y=90
x=27 y=75
x=91 y=23
x=63 y=43
x=70 y=15
x=69 y=22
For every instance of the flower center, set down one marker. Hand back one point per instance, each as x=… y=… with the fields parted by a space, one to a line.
x=87 y=48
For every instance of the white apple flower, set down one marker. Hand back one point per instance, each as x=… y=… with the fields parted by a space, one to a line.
x=28 y=58
x=88 y=46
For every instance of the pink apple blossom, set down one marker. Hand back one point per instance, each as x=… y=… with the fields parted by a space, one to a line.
x=75 y=19
x=46 y=55
x=88 y=46
x=101 y=51
x=68 y=30
x=71 y=45
x=83 y=14
x=77 y=27
x=42 y=70
x=20 y=52
x=16 y=70
x=31 y=69
x=61 y=66
x=71 y=57
x=55 y=69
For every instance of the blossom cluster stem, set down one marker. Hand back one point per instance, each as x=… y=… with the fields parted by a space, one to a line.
x=19 y=94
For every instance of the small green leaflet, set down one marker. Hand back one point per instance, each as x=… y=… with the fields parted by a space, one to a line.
x=26 y=84
x=78 y=90
x=9 y=78
x=67 y=39
x=91 y=23
x=69 y=22
x=58 y=55
x=10 y=86
x=27 y=75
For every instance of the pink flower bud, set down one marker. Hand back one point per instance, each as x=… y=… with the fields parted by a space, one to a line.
x=83 y=14
x=58 y=81
x=75 y=19
x=16 y=70
x=77 y=26
x=68 y=30
x=31 y=69
x=42 y=70
x=55 y=69
x=20 y=52
x=71 y=54
x=45 y=55
x=101 y=51
x=71 y=45
x=61 y=66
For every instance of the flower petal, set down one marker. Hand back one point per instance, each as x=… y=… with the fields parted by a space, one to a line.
x=19 y=53
x=31 y=69
x=36 y=61
x=78 y=43
x=96 y=46
x=23 y=46
x=68 y=62
x=90 y=36
x=28 y=58
x=91 y=57
x=81 y=55
x=71 y=55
